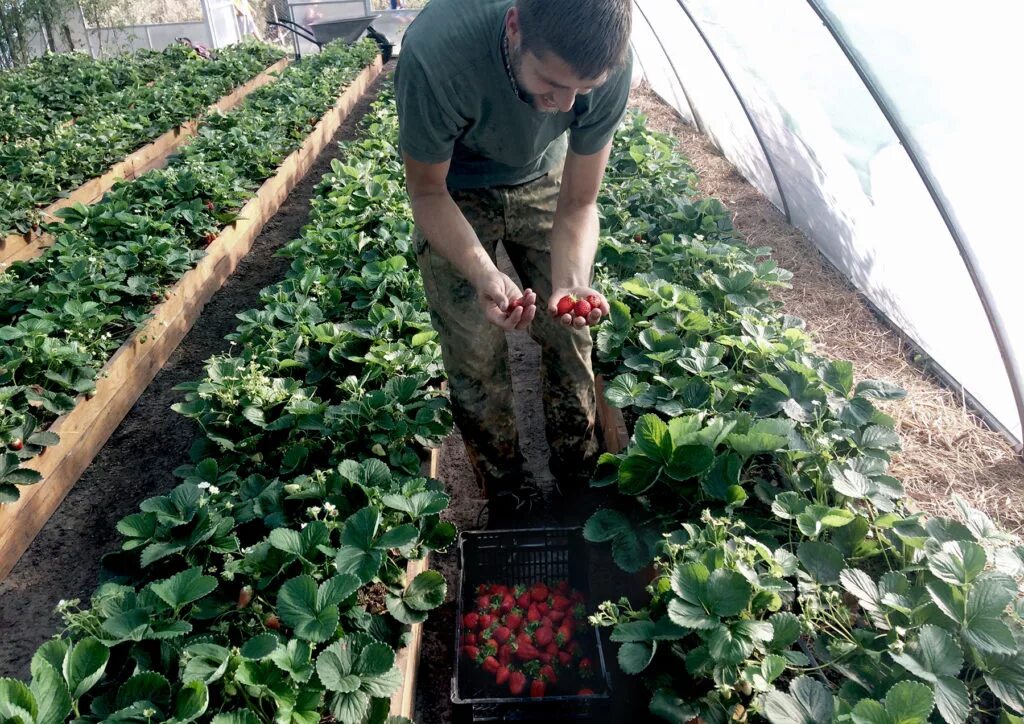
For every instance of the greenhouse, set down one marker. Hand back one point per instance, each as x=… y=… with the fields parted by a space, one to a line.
x=509 y=360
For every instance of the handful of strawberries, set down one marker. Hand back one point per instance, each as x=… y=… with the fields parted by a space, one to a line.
x=525 y=637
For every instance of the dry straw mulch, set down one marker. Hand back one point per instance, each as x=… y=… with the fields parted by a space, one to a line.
x=947 y=450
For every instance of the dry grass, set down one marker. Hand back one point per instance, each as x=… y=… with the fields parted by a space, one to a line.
x=947 y=450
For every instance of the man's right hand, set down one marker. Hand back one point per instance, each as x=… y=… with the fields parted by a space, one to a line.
x=496 y=291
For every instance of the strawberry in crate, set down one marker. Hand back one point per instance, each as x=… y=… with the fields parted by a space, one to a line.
x=524 y=640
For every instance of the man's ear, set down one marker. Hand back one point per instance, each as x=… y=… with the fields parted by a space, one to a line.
x=512 y=24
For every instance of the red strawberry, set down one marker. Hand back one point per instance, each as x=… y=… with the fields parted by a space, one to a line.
x=491 y=645
x=272 y=621
x=564 y=634
x=585 y=667
x=502 y=676
x=552 y=648
x=556 y=616
x=537 y=688
x=539 y=592
x=210 y=237
x=563 y=587
x=507 y=603
x=565 y=305
x=501 y=634
x=16 y=444
x=471 y=620
x=514 y=620
x=505 y=655
x=527 y=652
x=210 y=206
x=564 y=658
x=514 y=304
x=490 y=665
x=594 y=301
x=545 y=657
x=469 y=639
x=523 y=601
x=548 y=674
x=582 y=308
x=543 y=608
x=585 y=692
x=523 y=638
x=638 y=236
x=533 y=615
x=576 y=597
x=471 y=652
x=516 y=683
x=543 y=636
x=483 y=603
x=245 y=596
x=485 y=620
x=561 y=603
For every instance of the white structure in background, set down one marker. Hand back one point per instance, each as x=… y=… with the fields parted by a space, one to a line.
x=306 y=13
x=887 y=133
x=220 y=26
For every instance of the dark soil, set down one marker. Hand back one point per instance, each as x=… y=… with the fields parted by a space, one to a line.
x=137 y=462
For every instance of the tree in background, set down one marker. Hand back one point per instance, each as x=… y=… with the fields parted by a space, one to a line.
x=21 y=20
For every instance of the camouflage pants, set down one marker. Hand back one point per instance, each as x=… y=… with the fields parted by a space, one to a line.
x=476 y=354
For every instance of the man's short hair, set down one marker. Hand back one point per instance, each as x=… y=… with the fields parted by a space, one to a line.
x=592 y=36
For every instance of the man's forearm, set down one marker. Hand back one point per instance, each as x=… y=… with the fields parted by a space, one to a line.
x=442 y=222
x=574 y=245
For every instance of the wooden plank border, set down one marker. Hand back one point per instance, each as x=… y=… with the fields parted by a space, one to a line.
x=85 y=429
x=403 y=701
x=19 y=247
x=613 y=425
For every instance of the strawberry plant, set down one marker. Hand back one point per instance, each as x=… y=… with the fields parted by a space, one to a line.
x=242 y=594
x=791 y=581
x=64 y=313
x=60 y=153
x=59 y=85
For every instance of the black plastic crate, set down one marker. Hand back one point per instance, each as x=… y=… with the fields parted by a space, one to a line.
x=514 y=557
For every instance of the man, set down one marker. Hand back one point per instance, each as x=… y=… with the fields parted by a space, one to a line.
x=506 y=112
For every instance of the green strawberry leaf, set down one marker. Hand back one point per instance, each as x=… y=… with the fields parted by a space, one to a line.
x=84 y=665
x=808 y=702
x=184 y=588
x=634 y=657
x=822 y=560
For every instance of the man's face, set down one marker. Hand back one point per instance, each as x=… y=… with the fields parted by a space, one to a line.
x=549 y=83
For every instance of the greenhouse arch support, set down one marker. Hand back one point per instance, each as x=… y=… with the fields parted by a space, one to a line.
x=746 y=110
x=934 y=188
x=672 y=65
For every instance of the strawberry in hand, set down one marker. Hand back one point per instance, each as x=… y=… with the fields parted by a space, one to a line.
x=578 y=307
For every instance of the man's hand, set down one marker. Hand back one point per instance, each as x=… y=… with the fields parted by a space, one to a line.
x=570 y=319
x=497 y=293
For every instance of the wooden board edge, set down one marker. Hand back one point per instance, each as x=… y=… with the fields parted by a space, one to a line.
x=613 y=424
x=62 y=464
x=13 y=245
x=403 y=701
x=18 y=247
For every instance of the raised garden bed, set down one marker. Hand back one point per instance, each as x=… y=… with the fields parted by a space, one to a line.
x=84 y=430
x=17 y=247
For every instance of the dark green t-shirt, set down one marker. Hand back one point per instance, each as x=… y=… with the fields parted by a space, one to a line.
x=455 y=101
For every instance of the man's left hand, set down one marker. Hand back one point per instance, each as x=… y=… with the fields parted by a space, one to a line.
x=571 y=320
